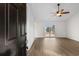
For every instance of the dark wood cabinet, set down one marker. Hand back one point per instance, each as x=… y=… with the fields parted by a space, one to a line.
x=13 y=28
x=2 y=26
x=12 y=21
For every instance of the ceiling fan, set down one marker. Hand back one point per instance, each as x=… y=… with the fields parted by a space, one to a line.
x=61 y=12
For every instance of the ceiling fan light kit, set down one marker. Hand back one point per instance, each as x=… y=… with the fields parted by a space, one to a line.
x=61 y=12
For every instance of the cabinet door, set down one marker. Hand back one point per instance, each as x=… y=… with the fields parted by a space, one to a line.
x=12 y=21
x=2 y=25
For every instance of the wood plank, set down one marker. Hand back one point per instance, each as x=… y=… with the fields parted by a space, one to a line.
x=54 y=47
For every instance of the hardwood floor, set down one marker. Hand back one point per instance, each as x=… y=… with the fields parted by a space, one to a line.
x=54 y=47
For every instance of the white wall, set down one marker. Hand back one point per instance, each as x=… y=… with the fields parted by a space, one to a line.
x=34 y=28
x=73 y=27
x=30 y=28
x=39 y=31
x=60 y=27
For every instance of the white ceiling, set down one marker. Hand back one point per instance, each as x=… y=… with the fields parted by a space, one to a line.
x=45 y=11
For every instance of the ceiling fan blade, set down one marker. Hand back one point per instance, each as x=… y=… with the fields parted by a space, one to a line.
x=62 y=10
x=66 y=12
